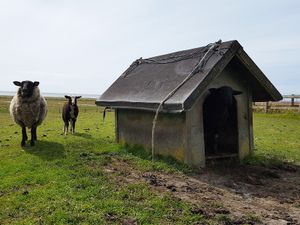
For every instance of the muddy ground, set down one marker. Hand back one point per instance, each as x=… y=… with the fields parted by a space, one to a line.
x=246 y=194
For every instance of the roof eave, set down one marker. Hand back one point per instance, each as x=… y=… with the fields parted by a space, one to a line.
x=170 y=108
x=259 y=76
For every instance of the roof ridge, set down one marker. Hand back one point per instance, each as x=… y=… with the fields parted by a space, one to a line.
x=189 y=50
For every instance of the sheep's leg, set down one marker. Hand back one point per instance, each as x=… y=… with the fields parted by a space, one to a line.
x=216 y=143
x=33 y=135
x=24 y=136
x=66 y=127
x=73 y=126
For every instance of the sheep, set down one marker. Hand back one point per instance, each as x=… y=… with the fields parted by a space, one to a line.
x=28 y=108
x=220 y=120
x=69 y=113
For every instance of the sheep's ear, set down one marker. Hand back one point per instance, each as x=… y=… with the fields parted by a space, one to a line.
x=78 y=97
x=67 y=96
x=236 y=92
x=17 y=83
x=36 y=83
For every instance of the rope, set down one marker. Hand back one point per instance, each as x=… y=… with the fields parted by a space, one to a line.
x=166 y=60
x=104 y=112
x=199 y=67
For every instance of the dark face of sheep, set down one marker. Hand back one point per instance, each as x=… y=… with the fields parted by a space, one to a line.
x=72 y=100
x=224 y=95
x=26 y=88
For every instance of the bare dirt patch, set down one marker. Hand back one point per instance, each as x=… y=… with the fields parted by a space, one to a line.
x=247 y=194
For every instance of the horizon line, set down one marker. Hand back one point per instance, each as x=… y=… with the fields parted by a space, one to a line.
x=51 y=94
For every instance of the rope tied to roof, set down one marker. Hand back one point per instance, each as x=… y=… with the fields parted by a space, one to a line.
x=210 y=49
x=133 y=65
x=174 y=59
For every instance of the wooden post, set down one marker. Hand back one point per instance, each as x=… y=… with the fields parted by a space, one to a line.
x=117 y=130
x=292 y=101
x=266 y=107
x=250 y=120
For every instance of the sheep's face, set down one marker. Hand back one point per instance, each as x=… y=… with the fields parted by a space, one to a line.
x=26 y=88
x=72 y=100
x=225 y=95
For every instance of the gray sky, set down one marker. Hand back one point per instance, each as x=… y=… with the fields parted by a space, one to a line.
x=83 y=46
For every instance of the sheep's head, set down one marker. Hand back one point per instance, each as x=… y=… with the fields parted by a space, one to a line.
x=72 y=100
x=225 y=94
x=26 y=87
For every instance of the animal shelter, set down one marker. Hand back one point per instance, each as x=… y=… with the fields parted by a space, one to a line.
x=193 y=105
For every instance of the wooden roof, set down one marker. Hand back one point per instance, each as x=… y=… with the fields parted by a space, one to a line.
x=148 y=81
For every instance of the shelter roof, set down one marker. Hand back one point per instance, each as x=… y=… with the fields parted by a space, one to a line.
x=148 y=81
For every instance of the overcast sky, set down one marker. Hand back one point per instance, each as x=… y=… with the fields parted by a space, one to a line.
x=83 y=46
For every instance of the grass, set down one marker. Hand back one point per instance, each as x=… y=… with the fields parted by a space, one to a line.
x=62 y=179
x=276 y=138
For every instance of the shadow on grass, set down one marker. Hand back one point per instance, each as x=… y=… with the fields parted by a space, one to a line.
x=84 y=135
x=271 y=162
x=46 y=150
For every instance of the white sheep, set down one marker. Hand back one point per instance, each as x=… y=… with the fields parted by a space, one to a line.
x=28 y=108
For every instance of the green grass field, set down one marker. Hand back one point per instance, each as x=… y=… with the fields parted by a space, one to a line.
x=62 y=180
x=276 y=138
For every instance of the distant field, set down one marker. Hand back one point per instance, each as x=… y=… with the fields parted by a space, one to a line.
x=87 y=178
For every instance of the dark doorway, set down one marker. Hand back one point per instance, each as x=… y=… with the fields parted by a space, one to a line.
x=220 y=123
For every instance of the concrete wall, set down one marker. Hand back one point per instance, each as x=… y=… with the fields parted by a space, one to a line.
x=134 y=128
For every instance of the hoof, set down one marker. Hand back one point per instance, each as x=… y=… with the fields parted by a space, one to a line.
x=22 y=143
x=32 y=143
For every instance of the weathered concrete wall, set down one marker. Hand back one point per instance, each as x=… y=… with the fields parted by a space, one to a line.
x=194 y=127
x=195 y=134
x=134 y=128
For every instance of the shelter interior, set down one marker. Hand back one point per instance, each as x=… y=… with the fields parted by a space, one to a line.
x=223 y=143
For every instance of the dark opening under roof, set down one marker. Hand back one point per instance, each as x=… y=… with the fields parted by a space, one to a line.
x=148 y=81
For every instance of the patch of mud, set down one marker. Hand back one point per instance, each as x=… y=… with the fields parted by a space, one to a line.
x=249 y=194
